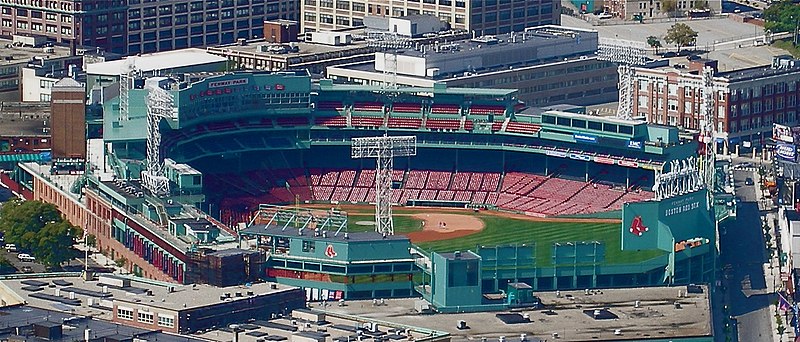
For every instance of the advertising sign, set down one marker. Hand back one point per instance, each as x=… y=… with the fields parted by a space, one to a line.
x=604 y=160
x=576 y=156
x=227 y=83
x=635 y=144
x=556 y=154
x=585 y=138
x=782 y=133
x=786 y=151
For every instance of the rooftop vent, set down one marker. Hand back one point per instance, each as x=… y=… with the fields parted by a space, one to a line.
x=488 y=40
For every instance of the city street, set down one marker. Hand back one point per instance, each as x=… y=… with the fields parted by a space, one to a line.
x=742 y=255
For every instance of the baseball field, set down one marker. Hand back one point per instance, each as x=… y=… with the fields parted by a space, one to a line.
x=447 y=230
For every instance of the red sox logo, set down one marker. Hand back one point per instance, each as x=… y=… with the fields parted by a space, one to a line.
x=637 y=227
x=329 y=252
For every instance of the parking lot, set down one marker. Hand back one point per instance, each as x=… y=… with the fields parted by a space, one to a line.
x=709 y=31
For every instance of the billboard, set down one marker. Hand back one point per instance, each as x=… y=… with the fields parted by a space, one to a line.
x=659 y=224
x=786 y=152
x=585 y=138
x=783 y=133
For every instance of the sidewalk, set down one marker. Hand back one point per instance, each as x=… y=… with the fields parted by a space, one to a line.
x=772 y=272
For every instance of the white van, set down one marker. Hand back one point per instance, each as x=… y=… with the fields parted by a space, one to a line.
x=10 y=247
x=25 y=257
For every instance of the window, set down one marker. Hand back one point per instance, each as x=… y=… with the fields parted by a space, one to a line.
x=340 y=20
x=672 y=105
x=125 y=313
x=166 y=321
x=144 y=317
x=642 y=101
x=44 y=97
x=341 y=4
x=326 y=18
x=672 y=89
x=326 y=3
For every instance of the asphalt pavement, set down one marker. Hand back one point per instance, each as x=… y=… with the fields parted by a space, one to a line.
x=742 y=255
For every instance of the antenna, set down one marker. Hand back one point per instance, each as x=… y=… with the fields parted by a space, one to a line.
x=384 y=149
x=627 y=54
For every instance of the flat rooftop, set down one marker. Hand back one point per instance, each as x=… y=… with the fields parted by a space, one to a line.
x=10 y=54
x=139 y=292
x=156 y=61
x=24 y=127
x=656 y=316
x=303 y=49
x=25 y=315
x=335 y=327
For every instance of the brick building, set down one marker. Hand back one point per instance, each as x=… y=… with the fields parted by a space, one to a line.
x=134 y=26
x=747 y=101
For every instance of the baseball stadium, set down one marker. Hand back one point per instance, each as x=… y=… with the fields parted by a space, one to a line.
x=498 y=200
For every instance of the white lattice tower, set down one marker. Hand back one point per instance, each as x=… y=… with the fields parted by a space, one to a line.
x=627 y=54
x=125 y=78
x=384 y=149
x=159 y=106
x=708 y=129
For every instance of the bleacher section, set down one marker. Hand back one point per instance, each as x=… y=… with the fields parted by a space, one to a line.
x=527 y=193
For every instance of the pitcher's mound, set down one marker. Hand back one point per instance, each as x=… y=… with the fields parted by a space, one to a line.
x=445 y=226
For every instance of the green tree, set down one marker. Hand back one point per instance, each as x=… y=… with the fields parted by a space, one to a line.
x=654 y=43
x=21 y=221
x=782 y=17
x=55 y=242
x=681 y=35
x=39 y=228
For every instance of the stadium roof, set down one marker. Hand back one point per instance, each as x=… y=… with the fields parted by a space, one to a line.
x=275 y=230
x=328 y=86
x=157 y=61
x=595 y=118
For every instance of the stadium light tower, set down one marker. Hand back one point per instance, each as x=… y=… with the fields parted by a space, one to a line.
x=627 y=54
x=125 y=78
x=384 y=149
x=389 y=42
x=159 y=106
x=708 y=130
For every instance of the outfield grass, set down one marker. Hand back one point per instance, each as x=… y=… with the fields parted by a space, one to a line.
x=402 y=224
x=507 y=231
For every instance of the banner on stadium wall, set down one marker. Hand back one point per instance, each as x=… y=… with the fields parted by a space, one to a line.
x=782 y=133
x=556 y=154
x=635 y=144
x=604 y=160
x=585 y=138
x=627 y=163
x=786 y=151
x=576 y=156
x=656 y=224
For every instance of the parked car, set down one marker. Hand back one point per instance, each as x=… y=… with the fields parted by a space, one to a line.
x=25 y=257
x=10 y=247
x=748 y=181
x=669 y=54
x=604 y=16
